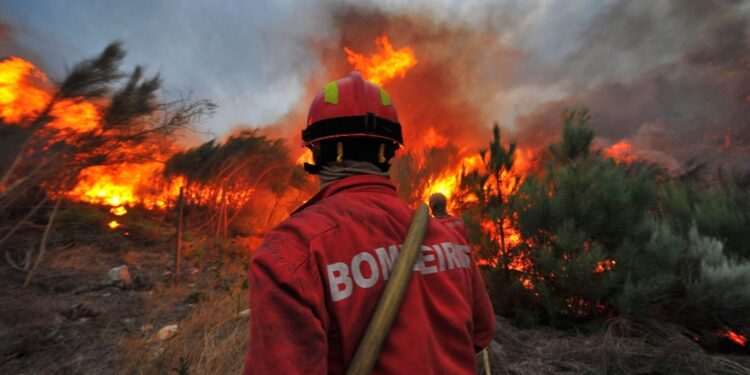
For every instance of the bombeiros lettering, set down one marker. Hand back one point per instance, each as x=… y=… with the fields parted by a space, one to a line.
x=367 y=268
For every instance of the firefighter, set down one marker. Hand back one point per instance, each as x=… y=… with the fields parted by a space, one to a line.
x=438 y=206
x=316 y=278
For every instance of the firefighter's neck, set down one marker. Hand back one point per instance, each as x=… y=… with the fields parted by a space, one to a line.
x=439 y=214
x=335 y=171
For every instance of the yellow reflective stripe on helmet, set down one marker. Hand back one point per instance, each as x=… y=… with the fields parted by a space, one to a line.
x=331 y=92
x=384 y=97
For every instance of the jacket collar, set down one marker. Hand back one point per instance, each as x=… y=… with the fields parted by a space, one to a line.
x=361 y=183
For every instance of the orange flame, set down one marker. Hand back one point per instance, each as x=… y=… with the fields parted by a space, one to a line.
x=306 y=157
x=75 y=116
x=20 y=98
x=386 y=64
x=125 y=185
x=24 y=95
x=448 y=184
x=621 y=151
x=432 y=139
x=113 y=224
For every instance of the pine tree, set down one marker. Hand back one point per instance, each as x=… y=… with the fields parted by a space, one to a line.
x=605 y=239
x=574 y=219
x=489 y=216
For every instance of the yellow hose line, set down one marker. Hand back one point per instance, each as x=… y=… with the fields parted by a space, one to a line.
x=486 y=358
x=390 y=301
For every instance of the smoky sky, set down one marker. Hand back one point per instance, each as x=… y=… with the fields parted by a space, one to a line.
x=673 y=77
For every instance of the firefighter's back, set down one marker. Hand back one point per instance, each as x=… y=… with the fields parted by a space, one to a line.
x=434 y=330
x=334 y=257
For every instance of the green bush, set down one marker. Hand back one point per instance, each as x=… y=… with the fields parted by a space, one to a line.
x=606 y=239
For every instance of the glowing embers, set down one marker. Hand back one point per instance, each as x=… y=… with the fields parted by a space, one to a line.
x=735 y=337
x=385 y=64
x=604 y=265
x=118 y=211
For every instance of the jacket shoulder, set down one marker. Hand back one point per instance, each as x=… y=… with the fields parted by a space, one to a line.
x=290 y=240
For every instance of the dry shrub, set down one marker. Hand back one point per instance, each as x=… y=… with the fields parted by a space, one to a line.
x=211 y=340
x=80 y=259
x=624 y=348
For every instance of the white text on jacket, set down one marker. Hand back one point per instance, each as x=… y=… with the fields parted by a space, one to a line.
x=366 y=269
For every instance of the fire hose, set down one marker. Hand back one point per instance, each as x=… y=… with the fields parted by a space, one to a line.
x=390 y=301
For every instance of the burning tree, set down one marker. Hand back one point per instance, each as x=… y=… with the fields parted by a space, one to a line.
x=59 y=134
x=487 y=194
x=247 y=171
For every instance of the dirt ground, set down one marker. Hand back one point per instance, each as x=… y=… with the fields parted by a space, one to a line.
x=65 y=322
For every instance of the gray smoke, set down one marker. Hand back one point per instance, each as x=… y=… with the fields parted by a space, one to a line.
x=669 y=76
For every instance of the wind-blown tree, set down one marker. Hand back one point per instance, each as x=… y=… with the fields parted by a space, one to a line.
x=131 y=116
x=228 y=178
x=129 y=122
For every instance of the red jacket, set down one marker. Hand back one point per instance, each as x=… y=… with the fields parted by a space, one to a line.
x=455 y=223
x=315 y=281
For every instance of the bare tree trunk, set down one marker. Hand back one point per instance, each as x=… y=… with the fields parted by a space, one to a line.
x=178 y=250
x=10 y=169
x=43 y=245
x=501 y=226
x=506 y=261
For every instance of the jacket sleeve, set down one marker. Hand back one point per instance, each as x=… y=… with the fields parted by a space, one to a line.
x=286 y=337
x=484 y=316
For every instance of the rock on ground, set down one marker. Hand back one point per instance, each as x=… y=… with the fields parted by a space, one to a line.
x=166 y=332
x=119 y=276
